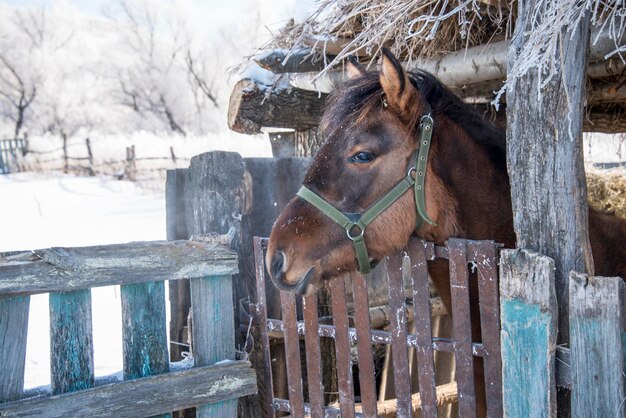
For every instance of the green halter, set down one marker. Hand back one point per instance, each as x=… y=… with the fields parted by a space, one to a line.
x=359 y=221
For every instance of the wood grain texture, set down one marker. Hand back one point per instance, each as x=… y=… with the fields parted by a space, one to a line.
x=313 y=355
x=146 y=396
x=597 y=345
x=292 y=350
x=545 y=155
x=13 y=332
x=253 y=106
x=213 y=331
x=464 y=361
x=528 y=313
x=71 y=341
x=64 y=269
x=423 y=329
x=399 y=349
x=342 y=347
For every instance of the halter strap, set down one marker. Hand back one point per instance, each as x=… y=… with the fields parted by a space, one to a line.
x=358 y=221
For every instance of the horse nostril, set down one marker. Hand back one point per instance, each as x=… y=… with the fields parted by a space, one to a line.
x=277 y=264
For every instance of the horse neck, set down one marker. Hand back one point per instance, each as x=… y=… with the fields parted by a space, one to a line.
x=477 y=185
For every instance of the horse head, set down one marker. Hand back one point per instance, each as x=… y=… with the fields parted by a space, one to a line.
x=373 y=128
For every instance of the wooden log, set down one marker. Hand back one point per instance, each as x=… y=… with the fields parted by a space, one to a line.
x=213 y=332
x=472 y=65
x=143 y=397
x=63 y=269
x=71 y=341
x=545 y=157
x=144 y=336
x=597 y=345
x=528 y=313
x=446 y=394
x=281 y=61
x=253 y=106
x=13 y=332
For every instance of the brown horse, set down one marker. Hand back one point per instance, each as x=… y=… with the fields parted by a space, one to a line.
x=373 y=127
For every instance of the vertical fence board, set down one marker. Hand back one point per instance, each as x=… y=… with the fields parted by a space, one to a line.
x=342 y=347
x=398 y=322
x=461 y=319
x=71 y=341
x=367 y=376
x=213 y=332
x=292 y=348
x=313 y=355
x=529 y=314
x=143 y=330
x=597 y=352
x=261 y=312
x=423 y=329
x=13 y=332
x=484 y=255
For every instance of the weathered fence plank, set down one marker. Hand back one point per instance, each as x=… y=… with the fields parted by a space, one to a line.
x=71 y=341
x=145 y=396
x=597 y=345
x=398 y=321
x=64 y=269
x=13 y=331
x=342 y=347
x=528 y=313
x=213 y=332
x=313 y=355
x=144 y=335
x=292 y=348
x=459 y=292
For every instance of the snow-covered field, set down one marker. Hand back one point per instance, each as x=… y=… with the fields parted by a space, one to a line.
x=40 y=211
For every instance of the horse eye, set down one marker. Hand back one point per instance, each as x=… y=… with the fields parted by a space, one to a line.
x=362 y=157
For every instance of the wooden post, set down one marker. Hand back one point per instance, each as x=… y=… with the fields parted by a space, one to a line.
x=545 y=156
x=66 y=166
x=131 y=163
x=143 y=330
x=283 y=144
x=71 y=341
x=176 y=226
x=528 y=313
x=13 y=331
x=90 y=157
x=597 y=345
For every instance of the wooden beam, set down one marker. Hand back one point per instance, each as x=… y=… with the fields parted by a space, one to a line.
x=281 y=61
x=146 y=396
x=474 y=65
x=65 y=269
x=253 y=106
x=13 y=332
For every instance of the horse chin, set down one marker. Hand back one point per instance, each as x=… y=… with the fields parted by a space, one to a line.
x=305 y=287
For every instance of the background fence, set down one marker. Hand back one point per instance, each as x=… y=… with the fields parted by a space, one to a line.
x=151 y=384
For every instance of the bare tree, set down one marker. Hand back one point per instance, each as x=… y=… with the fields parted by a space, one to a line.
x=166 y=75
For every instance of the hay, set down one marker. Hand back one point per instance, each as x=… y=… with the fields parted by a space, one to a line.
x=607 y=192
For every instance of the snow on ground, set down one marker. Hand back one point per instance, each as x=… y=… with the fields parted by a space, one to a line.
x=62 y=210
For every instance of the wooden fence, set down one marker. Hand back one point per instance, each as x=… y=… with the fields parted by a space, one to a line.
x=150 y=387
x=533 y=365
x=11 y=151
x=412 y=348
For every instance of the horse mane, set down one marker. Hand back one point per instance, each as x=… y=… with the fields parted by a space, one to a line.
x=358 y=98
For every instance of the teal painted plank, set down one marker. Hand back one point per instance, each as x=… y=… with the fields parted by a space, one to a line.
x=13 y=332
x=213 y=332
x=528 y=313
x=71 y=341
x=597 y=347
x=144 y=333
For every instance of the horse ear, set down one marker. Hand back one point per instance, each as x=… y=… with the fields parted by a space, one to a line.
x=400 y=94
x=354 y=69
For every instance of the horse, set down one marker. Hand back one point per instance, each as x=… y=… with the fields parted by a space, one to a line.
x=388 y=127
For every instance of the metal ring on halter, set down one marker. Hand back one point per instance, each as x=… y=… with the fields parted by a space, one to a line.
x=408 y=173
x=352 y=238
x=425 y=117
